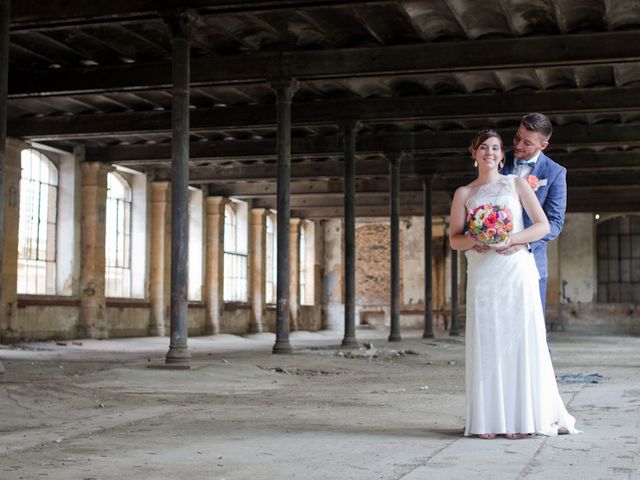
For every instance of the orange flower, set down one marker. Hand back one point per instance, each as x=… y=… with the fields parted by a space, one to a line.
x=533 y=182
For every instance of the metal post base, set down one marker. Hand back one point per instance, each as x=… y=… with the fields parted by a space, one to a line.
x=349 y=342
x=282 y=346
x=178 y=356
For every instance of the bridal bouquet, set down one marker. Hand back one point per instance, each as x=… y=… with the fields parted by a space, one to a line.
x=489 y=224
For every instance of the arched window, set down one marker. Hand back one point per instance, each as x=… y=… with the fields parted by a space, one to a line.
x=235 y=252
x=271 y=267
x=619 y=259
x=37 y=230
x=118 y=237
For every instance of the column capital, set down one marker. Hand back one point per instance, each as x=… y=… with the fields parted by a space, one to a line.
x=259 y=213
x=216 y=202
x=285 y=87
x=394 y=158
x=16 y=144
x=183 y=23
x=427 y=180
x=295 y=222
x=350 y=126
x=94 y=173
x=96 y=166
x=160 y=185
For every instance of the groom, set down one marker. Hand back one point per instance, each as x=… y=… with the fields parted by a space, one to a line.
x=547 y=178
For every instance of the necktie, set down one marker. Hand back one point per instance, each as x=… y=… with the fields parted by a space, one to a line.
x=526 y=163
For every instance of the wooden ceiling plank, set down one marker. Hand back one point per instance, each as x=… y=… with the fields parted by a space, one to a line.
x=405 y=109
x=532 y=52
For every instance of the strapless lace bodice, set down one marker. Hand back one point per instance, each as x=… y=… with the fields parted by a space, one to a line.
x=503 y=192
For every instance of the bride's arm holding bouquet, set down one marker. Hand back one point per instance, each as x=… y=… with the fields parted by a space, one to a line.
x=457 y=222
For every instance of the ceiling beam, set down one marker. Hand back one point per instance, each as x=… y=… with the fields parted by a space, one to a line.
x=47 y=14
x=591 y=49
x=377 y=110
x=564 y=137
x=458 y=167
x=584 y=201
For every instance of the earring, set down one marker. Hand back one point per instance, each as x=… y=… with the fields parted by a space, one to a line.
x=501 y=163
x=475 y=163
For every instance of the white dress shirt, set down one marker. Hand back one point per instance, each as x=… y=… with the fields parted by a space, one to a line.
x=524 y=170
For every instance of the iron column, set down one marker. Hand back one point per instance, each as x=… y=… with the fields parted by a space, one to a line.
x=350 y=131
x=4 y=81
x=427 y=184
x=182 y=28
x=285 y=89
x=394 y=187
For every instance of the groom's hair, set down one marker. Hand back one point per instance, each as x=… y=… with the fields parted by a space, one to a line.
x=537 y=122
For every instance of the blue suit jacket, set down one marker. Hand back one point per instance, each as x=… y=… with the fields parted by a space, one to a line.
x=552 y=197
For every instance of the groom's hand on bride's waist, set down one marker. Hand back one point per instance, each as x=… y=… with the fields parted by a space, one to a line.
x=511 y=249
x=481 y=248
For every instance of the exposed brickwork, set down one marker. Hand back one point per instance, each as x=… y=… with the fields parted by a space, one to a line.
x=373 y=264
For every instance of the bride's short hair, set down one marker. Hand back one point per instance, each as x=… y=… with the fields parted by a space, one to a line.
x=481 y=136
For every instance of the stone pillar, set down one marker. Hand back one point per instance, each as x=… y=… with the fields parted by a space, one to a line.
x=332 y=305
x=257 y=267
x=92 y=248
x=294 y=272
x=11 y=221
x=159 y=248
x=214 y=271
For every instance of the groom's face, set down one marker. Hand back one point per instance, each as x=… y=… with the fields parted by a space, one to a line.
x=527 y=143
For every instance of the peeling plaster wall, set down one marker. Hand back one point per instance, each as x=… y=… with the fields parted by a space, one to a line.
x=577 y=259
x=332 y=287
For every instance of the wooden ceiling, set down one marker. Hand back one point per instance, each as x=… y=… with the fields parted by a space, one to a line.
x=420 y=76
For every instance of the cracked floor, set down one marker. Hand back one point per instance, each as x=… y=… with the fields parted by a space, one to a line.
x=95 y=410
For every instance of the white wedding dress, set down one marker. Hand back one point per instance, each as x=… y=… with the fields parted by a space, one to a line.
x=510 y=382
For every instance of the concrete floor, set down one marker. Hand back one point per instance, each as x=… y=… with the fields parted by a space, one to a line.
x=95 y=410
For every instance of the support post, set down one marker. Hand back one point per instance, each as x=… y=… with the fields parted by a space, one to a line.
x=294 y=272
x=92 y=247
x=9 y=325
x=350 y=133
x=4 y=81
x=257 y=267
x=394 y=188
x=182 y=26
x=285 y=89
x=427 y=184
x=158 y=246
x=214 y=272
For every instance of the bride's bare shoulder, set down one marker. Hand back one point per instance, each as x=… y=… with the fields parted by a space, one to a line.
x=467 y=189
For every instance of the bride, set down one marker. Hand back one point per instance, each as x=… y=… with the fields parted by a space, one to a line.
x=511 y=388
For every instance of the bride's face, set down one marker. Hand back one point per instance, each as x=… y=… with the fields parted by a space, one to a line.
x=489 y=154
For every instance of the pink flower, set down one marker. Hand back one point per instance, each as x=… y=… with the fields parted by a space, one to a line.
x=533 y=182
x=491 y=220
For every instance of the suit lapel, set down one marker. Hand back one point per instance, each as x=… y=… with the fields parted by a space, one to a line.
x=540 y=165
